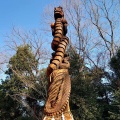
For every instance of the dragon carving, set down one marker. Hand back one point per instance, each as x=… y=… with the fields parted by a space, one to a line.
x=57 y=104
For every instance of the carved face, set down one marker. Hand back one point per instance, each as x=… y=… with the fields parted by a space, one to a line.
x=58 y=12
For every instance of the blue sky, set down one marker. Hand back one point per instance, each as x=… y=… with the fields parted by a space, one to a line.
x=24 y=14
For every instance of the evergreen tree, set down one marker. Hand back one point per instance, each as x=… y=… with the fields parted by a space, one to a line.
x=83 y=100
x=115 y=83
x=24 y=88
x=9 y=108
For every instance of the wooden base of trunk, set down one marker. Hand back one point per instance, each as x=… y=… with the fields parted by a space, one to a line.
x=66 y=115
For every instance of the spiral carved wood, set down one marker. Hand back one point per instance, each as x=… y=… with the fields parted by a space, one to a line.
x=59 y=89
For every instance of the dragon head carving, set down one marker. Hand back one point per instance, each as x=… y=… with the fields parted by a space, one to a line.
x=58 y=12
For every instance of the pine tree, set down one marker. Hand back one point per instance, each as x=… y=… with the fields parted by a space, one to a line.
x=83 y=100
x=115 y=83
x=24 y=86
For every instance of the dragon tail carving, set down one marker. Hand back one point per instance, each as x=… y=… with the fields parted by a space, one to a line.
x=58 y=55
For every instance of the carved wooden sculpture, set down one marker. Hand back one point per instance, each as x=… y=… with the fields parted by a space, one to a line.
x=57 y=104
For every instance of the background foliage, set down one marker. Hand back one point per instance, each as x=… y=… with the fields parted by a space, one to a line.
x=94 y=57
